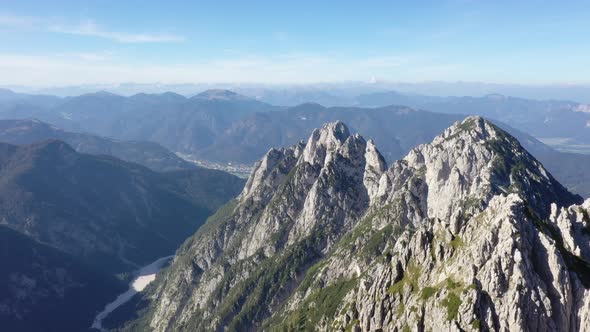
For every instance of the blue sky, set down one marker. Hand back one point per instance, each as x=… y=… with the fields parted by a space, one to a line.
x=103 y=41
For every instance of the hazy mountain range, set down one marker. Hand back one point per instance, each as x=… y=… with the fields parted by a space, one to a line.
x=190 y=124
x=222 y=126
x=543 y=119
x=340 y=93
x=149 y=154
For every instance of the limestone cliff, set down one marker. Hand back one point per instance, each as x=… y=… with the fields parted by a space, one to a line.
x=469 y=232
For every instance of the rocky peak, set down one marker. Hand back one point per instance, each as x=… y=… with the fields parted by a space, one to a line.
x=472 y=129
x=482 y=252
x=270 y=171
x=353 y=148
x=458 y=235
x=298 y=201
x=461 y=170
x=323 y=142
x=262 y=169
x=338 y=195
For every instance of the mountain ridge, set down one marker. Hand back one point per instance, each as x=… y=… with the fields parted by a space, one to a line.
x=294 y=247
x=241 y=132
x=149 y=154
x=102 y=208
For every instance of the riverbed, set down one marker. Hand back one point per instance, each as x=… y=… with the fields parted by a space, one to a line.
x=143 y=277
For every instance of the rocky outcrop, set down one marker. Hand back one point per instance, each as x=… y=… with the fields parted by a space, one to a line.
x=469 y=232
x=374 y=169
x=296 y=205
x=501 y=271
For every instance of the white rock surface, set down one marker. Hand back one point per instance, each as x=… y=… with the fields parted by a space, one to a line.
x=460 y=235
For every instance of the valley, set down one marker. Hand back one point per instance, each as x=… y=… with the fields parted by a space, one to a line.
x=76 y=225
x=239 y=170
x=141 y=278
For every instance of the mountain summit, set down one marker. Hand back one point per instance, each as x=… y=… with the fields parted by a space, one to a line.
x=468 y=232
x=220 y=94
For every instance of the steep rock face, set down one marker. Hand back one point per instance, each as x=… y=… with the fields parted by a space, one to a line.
x=267 y=172
x=501 y=271
x=374 y=169
x=297 y=203
x=460 y=238
x=469 y=232
x=461 y=170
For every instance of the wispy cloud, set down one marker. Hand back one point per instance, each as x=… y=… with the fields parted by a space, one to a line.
x=91 y=29
x=88 y=28
x=12 y=20
x=87 y=56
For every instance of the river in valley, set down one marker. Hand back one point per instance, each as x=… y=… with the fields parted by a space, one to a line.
x=143 y=277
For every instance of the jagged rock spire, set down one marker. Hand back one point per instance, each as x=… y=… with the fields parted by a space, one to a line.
x=323 y=142
x=374 y=168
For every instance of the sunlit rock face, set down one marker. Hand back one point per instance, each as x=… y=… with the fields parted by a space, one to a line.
x=466 y=233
